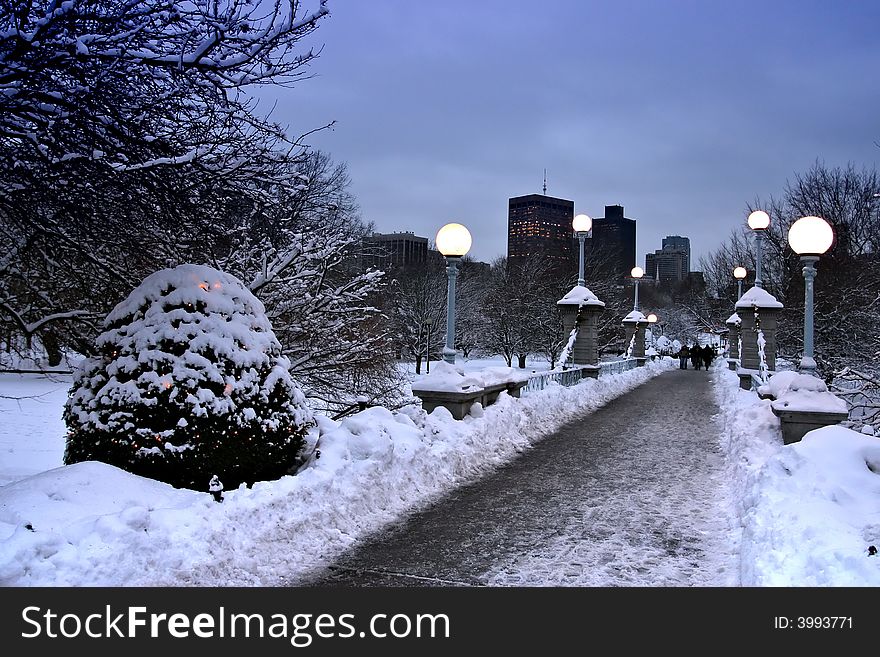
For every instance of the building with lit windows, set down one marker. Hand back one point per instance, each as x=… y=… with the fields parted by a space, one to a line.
x=540 y=225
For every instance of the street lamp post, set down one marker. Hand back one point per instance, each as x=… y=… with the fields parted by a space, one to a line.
x=809 y=237
x=759 y=221
x=453 y=241
x=581 y=225
x=637 y=273
x=739 y=273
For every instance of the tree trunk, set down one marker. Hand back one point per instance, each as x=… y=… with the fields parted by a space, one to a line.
x=53 y=351
x=418 y=364
x=521 y=361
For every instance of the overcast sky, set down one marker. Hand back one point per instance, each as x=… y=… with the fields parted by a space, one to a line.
x=681 y=111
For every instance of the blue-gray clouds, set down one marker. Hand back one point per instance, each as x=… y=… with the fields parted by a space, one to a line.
x=682 y=111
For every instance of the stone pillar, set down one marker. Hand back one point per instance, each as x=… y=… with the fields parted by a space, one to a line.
x=733 y=324
x=586 y=346
x=581 y=308
x=635 y=324
x=757 y=307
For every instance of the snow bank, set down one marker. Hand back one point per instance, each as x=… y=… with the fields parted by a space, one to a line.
x=815 y=510
x=92 y=524
x=808 y=510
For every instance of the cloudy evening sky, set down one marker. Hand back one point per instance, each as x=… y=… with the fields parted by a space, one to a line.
x=682 y=111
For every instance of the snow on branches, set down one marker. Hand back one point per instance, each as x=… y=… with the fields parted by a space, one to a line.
x=121 y=82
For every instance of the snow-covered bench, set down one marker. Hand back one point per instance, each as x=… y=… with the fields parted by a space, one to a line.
x=449 y=387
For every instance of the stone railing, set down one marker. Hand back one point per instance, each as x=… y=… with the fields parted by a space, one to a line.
x=459 y=403
x=458 y=392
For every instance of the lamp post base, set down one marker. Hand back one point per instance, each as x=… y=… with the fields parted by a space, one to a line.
x=807 y=365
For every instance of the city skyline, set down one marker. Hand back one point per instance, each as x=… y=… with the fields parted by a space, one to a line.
x=682 y=112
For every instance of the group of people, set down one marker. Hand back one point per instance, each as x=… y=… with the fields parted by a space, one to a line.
x=699 y=356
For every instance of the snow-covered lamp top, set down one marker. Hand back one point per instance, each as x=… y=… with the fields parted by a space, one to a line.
x=759 y=220
x=758 y=298
x=582 y=223
x=739 y=273
x=810 y=236
x=580 y=296
x=454 y=240
x=734 y=320
x=652 y=318
x=635 y=317
x=637 y=272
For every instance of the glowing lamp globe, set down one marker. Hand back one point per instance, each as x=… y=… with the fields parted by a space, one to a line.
x=582 y=223
x=453 y=240
x=810 y=236
x=637 y=272
x=739 y=273
x=652 y=318
x=759 y=220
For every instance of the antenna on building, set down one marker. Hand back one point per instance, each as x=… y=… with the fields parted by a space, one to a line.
x=545 y=182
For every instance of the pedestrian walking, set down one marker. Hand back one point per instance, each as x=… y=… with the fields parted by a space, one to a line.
x=683 y=355
x=708 y=356
x=696 y=356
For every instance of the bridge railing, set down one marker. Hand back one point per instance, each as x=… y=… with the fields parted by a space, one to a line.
x=573 y=375
x=540 y=381
x=617 y=366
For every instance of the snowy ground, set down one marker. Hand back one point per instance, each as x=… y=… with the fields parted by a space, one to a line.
x=92 y=524
x=809 y=511
x=31 y=430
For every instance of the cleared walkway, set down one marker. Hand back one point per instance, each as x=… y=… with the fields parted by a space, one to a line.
x=631 y=495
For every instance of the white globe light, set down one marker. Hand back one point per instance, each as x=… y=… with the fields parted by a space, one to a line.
x=637 y=272
x=582 y=223
x=810 y=236
x=759 y=220
x=652 y=318
x=739 y=273
x=453 y=240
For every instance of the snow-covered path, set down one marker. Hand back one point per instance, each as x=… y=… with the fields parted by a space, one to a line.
x=631 y=495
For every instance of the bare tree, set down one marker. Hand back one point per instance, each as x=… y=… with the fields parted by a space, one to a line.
x=847 y=288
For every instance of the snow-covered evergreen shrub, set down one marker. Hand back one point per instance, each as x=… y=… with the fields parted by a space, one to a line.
x=189 y=383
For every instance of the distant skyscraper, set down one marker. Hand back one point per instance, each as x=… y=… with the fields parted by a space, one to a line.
x=672 y=262
x=683 y=244
x=538 y=224
x=387 y=251
x=614 y=240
